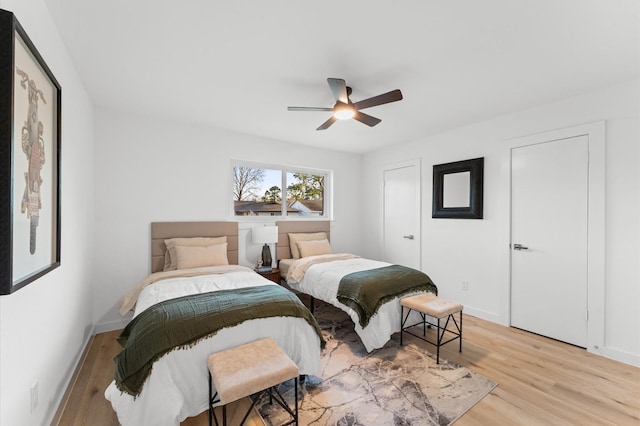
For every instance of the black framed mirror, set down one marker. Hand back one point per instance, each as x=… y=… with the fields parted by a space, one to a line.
x=457 y=189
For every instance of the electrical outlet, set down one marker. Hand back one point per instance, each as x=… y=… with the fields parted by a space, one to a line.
x=34 y=396
x=465 y=285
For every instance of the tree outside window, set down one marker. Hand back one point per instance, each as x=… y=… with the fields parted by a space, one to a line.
x=257 y=192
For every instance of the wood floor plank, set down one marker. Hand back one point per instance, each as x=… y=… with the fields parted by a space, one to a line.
x=540 y=381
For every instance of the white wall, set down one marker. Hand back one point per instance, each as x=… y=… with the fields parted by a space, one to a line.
x=470 y=250
x=45 y=326
x=148 y=169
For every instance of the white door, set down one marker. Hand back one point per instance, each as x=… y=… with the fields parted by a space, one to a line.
x=402 y=215
x=549 y=184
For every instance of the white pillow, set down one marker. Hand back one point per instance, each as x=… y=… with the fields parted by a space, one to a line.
x=314 y=247
x=195 y=257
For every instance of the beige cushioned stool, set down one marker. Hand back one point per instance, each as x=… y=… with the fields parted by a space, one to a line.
x=435 y=307
x=248 y=369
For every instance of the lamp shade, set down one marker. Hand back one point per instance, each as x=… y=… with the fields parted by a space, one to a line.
x=264 y=234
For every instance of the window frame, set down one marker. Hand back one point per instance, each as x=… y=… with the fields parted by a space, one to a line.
x=284 y=169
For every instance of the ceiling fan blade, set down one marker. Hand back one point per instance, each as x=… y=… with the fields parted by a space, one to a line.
x=385 y=98
x=366 y=119
x=327 y=123
x=339 y=89
x=309 y=109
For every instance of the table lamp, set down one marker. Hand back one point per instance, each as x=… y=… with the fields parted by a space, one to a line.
x=265 y=235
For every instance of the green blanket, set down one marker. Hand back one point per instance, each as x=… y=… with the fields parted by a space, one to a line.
x=366 y=291
x=182 y=322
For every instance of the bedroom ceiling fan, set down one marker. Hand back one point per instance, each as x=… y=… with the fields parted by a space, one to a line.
x=345 y=109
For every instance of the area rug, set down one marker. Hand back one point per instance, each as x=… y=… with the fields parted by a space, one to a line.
x=390 y=386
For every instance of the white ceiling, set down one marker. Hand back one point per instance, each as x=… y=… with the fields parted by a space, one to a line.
x=238 y=64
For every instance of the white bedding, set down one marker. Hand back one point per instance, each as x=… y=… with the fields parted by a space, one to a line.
x=178 y=385
x=321 y=280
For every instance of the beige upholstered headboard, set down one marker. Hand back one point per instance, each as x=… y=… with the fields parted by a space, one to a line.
x=285 y=227
x=160 y=231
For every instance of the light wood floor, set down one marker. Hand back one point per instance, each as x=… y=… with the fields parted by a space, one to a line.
x=87 y=406
x=540 y=381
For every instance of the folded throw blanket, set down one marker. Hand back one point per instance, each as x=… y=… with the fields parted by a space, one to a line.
x=182 y=322
x=366 y=291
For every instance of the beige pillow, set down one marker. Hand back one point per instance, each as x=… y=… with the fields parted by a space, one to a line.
x=310 y=236
x=170 y=254
x=314 y=247
x=195 y=257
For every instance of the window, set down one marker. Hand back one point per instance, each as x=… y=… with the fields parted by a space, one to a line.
x=257 y=191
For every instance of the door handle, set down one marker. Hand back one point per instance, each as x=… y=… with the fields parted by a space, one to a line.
x=520 y=247
x=408 y=237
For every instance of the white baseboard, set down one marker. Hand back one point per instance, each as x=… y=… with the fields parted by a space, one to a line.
x=618 y=355
x=71 y=380
x=113 y=325
x=485 y=315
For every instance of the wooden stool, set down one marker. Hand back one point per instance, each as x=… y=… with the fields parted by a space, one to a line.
x=435 y=307
x=256 y=367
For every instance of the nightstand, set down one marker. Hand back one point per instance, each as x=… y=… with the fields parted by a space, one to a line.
x=273 y=275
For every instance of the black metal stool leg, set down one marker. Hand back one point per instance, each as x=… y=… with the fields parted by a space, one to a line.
x=438 y=345
x=460 y=331
x=212 y=413
x=401 y=322
x=296 y=402
x=224 y=415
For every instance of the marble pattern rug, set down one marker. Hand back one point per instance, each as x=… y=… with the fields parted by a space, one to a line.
x=390 y=386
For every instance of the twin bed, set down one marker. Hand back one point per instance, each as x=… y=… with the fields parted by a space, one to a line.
x=197 y=301
x=369 y=291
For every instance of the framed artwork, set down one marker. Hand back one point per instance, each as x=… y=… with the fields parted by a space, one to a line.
x=30 y=107
x=457 y=189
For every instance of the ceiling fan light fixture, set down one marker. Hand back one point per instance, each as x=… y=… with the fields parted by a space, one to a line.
x=344 y=109
x=344 y=112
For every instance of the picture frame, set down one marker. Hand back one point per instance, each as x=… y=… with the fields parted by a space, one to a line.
x=458 y=189
x=30 y=142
